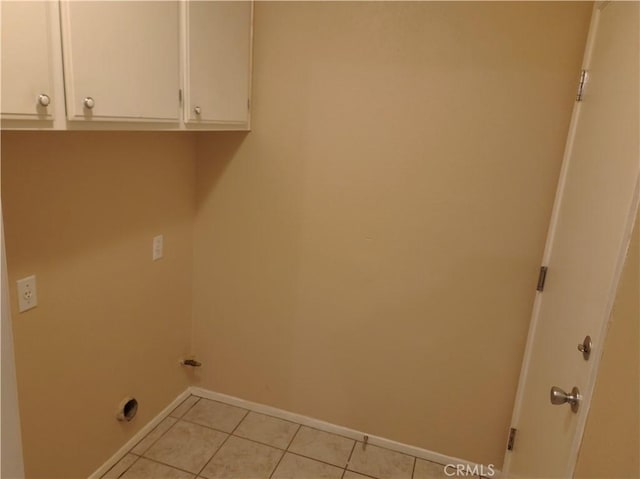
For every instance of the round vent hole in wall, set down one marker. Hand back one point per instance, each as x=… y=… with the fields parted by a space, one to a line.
x=127 y=410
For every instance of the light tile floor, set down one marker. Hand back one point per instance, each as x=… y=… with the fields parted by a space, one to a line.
x=211 y=440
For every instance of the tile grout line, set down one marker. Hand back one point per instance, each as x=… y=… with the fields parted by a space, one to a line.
x=125 y=471
x=353 y=448
x=187 y=411
x=167 y=465
x=293 y=437
x=367 y=476
x=208 y=427
x=154 y=442
x=285 y=451
x=229 y=434
x=414 y=458
x=278 y=464
x=130 y=466
x=138 y=456
x=326 y=432
x=315 y=458
x=147 y=435
x=122 y=473
x=213 y=455
x=329 y=434
x=177 y=420
x=240 y=421
x=158 y=425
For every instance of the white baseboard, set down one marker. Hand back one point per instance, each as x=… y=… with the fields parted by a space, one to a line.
x=332 y=428
x=146 y=429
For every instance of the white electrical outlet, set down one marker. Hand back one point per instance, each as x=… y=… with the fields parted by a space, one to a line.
x=157 y=251
x=27 y=293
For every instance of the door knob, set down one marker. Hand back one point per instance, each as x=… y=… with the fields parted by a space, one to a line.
x=558 y=396
x=89 y=102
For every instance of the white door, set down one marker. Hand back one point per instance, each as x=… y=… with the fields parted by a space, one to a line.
x=589 y=235
x=218 y=62
x=27 y=73
x=121 y=60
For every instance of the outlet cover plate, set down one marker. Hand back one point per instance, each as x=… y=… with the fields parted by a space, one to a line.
x=158 y=248
x=27 y=293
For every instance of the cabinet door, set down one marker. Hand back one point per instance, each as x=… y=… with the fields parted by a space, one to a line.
x=121 y=60
x=27 y=75
x=218 y=62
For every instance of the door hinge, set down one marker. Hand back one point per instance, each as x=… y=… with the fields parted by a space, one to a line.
x=248 y=104
x=542 y=278
x=512 y=438
x=180 y=95
x=584 y=76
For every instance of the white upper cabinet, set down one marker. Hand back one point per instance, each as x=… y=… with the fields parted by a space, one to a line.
x=122 y=64
x=121 y=60
x=217 y=63
x=28 y=60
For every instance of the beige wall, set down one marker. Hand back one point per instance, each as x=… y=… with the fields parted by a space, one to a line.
x=611 y=443
x=80 y=212
x=368 y=254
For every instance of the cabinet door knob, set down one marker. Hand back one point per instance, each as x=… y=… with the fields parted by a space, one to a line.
x=44 y=99
x=197 y=110
x=89 y=102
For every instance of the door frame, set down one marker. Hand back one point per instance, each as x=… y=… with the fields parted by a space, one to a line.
x=587 y=394
x=11 y=458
